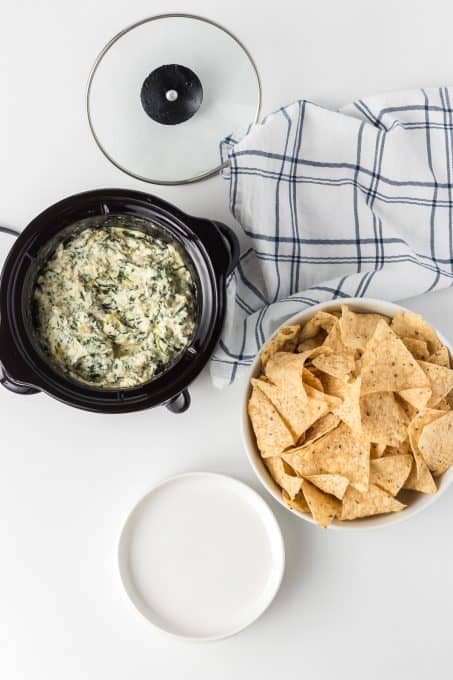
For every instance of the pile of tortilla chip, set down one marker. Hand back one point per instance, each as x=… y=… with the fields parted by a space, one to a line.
x=352 y=410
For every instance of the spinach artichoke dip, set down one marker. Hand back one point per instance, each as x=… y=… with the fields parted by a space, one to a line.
x=114 y=306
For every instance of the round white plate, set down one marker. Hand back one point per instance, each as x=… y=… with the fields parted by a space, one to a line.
x=201 y=556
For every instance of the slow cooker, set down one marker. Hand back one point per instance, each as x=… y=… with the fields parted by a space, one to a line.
x=210 y=250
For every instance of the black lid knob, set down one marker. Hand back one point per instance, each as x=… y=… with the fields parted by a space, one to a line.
x=171 y=94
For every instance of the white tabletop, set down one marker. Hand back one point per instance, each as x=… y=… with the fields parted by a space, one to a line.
x=376 y=605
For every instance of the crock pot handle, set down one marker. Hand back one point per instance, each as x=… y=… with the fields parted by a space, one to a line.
x=232 y=243
x=15 y=387
x=4 y=380
x=180 y=403
x=11 y=232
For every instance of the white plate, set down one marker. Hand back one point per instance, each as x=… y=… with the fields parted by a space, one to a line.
x=201 y=556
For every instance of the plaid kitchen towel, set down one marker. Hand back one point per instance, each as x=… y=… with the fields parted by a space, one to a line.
x=337 y=204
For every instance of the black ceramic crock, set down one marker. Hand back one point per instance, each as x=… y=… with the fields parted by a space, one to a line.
x=209 y=248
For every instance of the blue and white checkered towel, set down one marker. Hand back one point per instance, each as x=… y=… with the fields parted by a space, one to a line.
x=337 y=204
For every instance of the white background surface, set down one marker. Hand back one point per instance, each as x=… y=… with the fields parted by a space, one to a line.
x=376 y=605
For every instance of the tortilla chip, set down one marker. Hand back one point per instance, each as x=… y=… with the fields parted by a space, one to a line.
x=333 y=386
x=340 y=453
x=335 y=485
x=272 y=435
x=298 y=503
x=441 y=357
x=420 y=478
x=338 y=365
x=311 y=343
x=408 y=409
x=320 y=428
x=387 y=364
x=334 y=340
x=316 y=409
x=280 y=472
x=443 y=405
x=299 y=404
x=436 y=443
x=331 y=401
x=310 y=379
x=301 y=461
x=418 y=348
x=323 y=508
x=411 y=325
x=320 y=320
x=415 y=428
x=295 y=408
x=284 y=369
x=357 y=329
x=418 y=397
x=441 y=381
x=349 y=410
x=383 y=420
x=377 y=450
x=285 y=340
x=373 y=502
x=400 y=450
x=390 y=472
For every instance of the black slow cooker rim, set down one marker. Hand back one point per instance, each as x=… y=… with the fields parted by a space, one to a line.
x=23 y=361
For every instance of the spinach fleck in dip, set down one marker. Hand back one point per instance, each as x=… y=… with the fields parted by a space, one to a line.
x=114 y=306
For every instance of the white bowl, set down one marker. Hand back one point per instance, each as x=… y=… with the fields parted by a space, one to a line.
x=419 y=501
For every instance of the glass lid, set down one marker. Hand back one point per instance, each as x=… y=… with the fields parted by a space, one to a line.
x=163 y=94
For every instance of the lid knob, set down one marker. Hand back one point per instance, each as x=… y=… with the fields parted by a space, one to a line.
x=171 y=94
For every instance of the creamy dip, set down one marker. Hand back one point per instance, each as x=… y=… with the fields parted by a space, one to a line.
x=114 y=306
